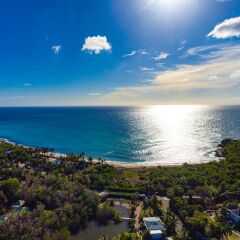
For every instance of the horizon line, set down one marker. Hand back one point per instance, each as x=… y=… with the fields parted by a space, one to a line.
x=144 y=105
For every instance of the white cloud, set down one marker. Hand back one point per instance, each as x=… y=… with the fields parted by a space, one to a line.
x=146 y=69
x=94 y=94
x=213 y=77
x=180 y=48
x=27 y=84
x=182 y=45
x=142 y=51
x=228 y=28
x=96 y=44
x=214 y=81
x=57 y=49
x=200 y=50
x=160 y=64
x=162 y=55
x=235 y=74
x=134 y=52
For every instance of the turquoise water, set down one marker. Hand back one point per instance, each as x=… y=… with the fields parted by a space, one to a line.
x=135 y=135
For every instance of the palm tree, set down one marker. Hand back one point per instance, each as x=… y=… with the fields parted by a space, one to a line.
x=227 y=231
x=183 y=235
x=90 y=159
x=170 y=221
x=82 y=156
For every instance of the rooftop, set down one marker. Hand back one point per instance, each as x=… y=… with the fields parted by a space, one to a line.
x=235 y=211
x=18 y=204
x=153 y=223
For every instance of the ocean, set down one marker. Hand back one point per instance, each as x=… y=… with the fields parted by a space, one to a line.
x=153 y=135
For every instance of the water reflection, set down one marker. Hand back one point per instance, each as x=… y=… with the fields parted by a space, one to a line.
x=179 y=134
x=134 y=135
x=94 y=231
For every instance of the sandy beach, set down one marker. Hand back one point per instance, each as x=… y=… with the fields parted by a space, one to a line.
x=119 y=165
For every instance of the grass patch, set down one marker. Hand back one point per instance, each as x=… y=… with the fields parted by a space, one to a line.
x=130 y=174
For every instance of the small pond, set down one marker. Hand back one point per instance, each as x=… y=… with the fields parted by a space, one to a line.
x=94 y=231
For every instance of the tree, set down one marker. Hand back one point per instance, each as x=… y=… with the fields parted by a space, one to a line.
x=62 y=234
x=104 y=237
x=170 y=221
x=10 y=187
x=90 y=159
x=182 y=235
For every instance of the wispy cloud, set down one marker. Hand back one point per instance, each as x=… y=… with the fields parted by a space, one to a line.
x=56 y=49
x=160 y=64
x=96 y=44
x=228 y=28
x=27 y=84
x=145 y=69
x=215 y=77
x=19 y=97
x=201 y=50
x=94 y=94
x=134 y=52
x=235 y=74
x=182 y=45
x=162 y=55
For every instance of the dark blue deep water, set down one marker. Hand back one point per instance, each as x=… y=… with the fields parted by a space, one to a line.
x=143 y=135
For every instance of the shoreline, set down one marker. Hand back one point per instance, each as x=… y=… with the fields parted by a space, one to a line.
x=119 y=165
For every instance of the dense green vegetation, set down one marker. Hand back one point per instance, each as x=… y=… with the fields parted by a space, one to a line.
x=62 y=197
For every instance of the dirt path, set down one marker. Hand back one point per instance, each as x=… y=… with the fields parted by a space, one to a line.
x=137 y=217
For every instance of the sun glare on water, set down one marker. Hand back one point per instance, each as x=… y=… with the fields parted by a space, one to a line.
x=174 y=131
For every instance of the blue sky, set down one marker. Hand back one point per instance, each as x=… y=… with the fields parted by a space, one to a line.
x=119 y=52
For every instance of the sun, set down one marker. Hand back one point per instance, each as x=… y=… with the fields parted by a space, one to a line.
x=172 y=5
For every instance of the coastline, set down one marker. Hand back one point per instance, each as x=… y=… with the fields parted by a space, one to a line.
x=119 y=165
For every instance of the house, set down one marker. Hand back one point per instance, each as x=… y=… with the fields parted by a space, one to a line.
x=8 y=152
x=55 y=161
x=234 y=215
x=17 y=207
x=19 y=203
x=155 y=227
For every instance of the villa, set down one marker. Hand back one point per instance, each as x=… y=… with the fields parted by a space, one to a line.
x=234 y=215
x=155 y=227
x=17 y=207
